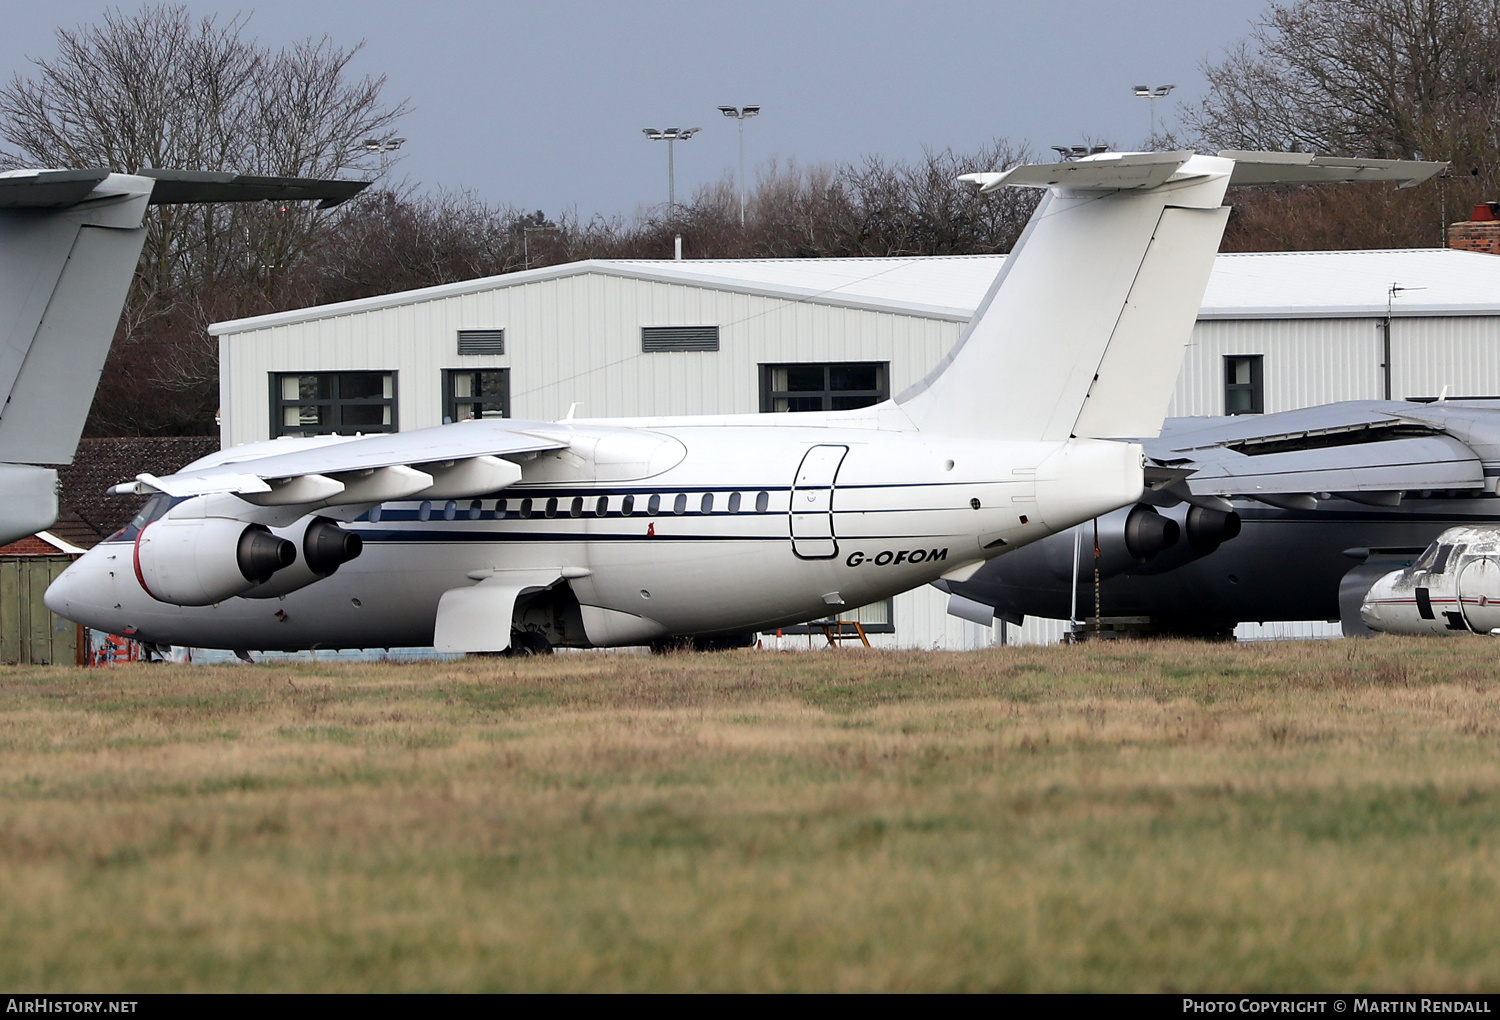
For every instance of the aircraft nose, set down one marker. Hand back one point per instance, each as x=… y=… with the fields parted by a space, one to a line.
x=1371 y=610
x=67 y=595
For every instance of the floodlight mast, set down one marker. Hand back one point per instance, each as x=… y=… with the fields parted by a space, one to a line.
x=740 y=114
x=1151 y=95
x=671 y=135
x=388 y=144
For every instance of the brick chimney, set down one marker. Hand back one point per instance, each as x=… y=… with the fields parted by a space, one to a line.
x=1480 y=233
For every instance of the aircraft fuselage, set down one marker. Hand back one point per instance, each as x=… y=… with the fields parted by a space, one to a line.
x=657 y=531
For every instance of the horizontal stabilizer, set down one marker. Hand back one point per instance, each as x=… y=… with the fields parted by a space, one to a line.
x=63 y=189
x=1305 y=168
x=1108 y=171
x=181 y=186
x=47 y=189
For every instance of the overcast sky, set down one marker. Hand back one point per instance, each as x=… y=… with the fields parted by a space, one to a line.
x=541 y=104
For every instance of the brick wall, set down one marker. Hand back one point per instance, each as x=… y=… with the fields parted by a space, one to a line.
x=29 y=546
x=1475 y=235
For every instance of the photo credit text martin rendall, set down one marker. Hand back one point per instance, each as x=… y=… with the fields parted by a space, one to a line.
x=1339 y=1004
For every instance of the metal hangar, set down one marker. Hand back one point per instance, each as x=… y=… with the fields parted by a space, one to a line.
x=625 y=338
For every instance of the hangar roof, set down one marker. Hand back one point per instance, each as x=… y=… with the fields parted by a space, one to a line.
x=1259 y=285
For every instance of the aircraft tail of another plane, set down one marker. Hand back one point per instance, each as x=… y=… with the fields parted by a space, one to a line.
x=69 y=243
x=1083 y=330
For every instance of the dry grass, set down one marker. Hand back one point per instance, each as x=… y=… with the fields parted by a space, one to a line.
x=1133 y=816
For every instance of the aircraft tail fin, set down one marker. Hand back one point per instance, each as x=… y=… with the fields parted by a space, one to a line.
x=1083 y=330
x=69 y=244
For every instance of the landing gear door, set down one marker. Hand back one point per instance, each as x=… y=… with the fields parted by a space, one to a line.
x=1479 y=594
x=812 y=503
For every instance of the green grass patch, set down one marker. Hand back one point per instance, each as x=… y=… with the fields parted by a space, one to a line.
x=1158 y=816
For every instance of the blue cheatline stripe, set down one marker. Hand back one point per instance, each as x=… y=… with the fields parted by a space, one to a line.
x=394 y=535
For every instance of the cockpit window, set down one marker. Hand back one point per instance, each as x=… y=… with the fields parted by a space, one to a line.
x=1444 y=552
x=155 y=507
x=1428 y=557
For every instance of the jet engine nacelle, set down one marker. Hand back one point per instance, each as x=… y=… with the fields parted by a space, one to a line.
x=1204 y=529
x=322 y=547
x=1128 y=537
x=200 y=561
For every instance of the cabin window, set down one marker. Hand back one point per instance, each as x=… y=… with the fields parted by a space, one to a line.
x=653 y=505
x=833 y=386
x=321 y=403
x=734 y=502
x=475 y=509
x=576 y=508
x=707 y=504
x=424 y=512
x=601 y=506
x=476 y=393
x=679 y=505
x=450 y=510
x=551 y=510
x=1244 y=392
x=627 y=506
x=762 y=500
x=525 y=508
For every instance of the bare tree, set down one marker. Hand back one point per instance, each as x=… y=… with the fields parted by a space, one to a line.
x=1403 y=79
x=159 y=88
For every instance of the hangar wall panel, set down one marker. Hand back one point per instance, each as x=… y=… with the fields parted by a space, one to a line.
x=576 y=339
x=1459 y=352
x=1307 y=361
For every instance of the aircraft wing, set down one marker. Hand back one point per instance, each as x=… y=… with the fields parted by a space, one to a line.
x=1369 y=449
x=446 y=461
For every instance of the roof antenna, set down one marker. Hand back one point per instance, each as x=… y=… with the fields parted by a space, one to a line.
x=1443 y=396
x=571 y=408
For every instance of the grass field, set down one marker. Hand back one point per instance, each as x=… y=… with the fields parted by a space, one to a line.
x=1129 y=816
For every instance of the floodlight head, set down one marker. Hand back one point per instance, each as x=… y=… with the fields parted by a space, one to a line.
x=752 y=111
x=729 y=111
x=653 y=134
x=1142 y=90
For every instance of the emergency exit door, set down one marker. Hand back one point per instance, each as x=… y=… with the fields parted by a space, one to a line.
x=812 y=503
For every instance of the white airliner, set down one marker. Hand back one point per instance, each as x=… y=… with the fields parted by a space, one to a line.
x=483 y=534
x=1452 y=588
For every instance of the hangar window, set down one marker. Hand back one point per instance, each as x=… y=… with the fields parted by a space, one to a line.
x=836 y=386
x=476 y=393
x=481 y=341
x=666 y=339
x=316 y=404
x=1243 y=389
